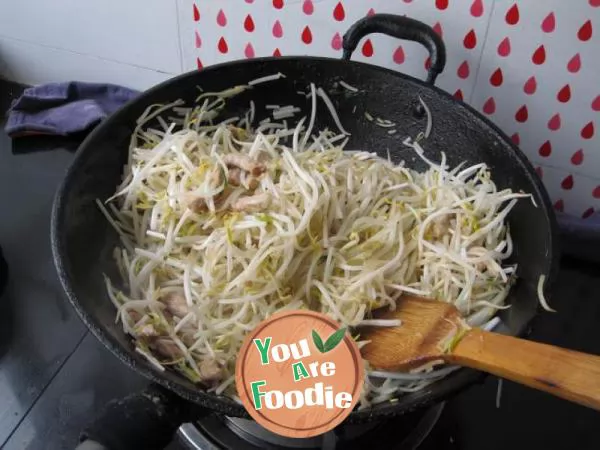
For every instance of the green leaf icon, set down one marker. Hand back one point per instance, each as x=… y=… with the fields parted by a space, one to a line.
x=333 y=340
x=318 y=341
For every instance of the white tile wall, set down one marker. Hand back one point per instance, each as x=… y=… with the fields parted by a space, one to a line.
x=36 y=64
x=132 y=42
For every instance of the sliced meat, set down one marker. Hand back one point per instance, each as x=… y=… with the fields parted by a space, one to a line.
x=176 y=304
x=235 y=178
x=237 y=165
x=252 y=202
x=210 y=370
x=134 y=315
x=167 y=348
x=188 y=339
x=245 y=163
x=199 y=205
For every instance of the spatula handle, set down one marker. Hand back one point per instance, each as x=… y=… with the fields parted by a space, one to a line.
x=568 y=374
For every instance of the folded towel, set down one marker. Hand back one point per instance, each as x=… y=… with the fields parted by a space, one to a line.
x=64 y=108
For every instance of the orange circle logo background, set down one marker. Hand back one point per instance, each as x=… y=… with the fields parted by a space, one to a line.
x=289 y=328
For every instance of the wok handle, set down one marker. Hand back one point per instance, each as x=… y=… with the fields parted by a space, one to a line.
x=568 y=374
x=400 y=27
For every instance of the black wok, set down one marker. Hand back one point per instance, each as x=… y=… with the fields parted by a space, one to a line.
x=82 y=240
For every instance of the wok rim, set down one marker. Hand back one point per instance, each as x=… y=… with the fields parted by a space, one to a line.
x=438 y=391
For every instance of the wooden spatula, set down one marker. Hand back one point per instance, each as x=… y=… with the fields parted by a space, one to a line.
x=432 y=330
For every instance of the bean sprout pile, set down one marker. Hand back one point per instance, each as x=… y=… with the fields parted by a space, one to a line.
x=222 y=224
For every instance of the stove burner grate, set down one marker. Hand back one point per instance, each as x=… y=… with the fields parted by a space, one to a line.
x=215 y=432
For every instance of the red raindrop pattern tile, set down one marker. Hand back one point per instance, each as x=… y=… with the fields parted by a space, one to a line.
x=532 y=79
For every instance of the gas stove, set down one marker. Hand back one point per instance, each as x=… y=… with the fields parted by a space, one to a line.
x=406 y=432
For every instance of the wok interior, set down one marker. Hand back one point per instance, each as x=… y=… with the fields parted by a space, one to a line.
x=84 y=241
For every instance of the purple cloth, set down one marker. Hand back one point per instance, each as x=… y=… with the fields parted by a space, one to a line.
x=64 y=108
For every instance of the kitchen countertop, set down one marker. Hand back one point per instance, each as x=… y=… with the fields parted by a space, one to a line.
x=55 y=376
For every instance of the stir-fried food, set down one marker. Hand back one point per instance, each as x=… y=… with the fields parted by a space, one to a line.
x=223 y=224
